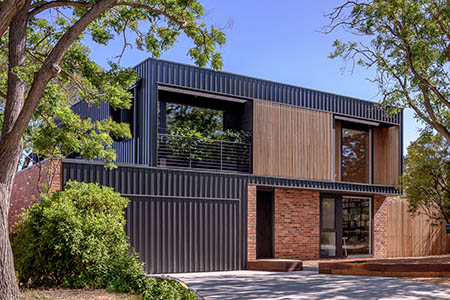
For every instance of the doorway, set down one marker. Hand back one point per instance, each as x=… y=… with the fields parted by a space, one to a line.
x=346 y=226
x=264 y=224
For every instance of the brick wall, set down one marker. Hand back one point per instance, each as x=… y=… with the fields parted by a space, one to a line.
x=28 y=184
x=296 y=223
x=297 y=217
x=251 y=220
x=380 y=226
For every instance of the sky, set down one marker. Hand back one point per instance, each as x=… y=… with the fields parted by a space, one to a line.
x=279 y=41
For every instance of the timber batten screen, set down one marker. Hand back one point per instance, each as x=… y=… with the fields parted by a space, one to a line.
x=292 y=142
x=386 y=155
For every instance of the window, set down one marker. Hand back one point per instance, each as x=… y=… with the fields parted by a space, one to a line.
x=122 y=116
x=355 y=155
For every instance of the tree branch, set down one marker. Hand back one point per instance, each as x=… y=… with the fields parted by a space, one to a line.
x=8 y=9
x=420 y=77
x=50 y=67
x=181 y=23
x=53 y=4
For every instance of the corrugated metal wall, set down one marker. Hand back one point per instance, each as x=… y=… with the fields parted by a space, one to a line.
x=124 y=150
x=96 y=113
x=187 y=76
x=178 y=221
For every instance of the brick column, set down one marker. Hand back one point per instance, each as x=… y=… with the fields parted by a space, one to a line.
x=251 y=223
x=28 y=185
x=379 y=227
x=297 y=228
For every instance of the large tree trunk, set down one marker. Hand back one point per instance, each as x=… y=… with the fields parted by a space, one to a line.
x=11 y=148
x=9 y=157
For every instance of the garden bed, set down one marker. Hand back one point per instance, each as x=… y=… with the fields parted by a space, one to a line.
x=431 y=266
x=75 y=294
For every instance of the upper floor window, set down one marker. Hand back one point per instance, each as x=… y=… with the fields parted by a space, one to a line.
x=355 y=154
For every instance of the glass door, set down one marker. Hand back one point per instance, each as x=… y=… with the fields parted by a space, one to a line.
x=356 y=226
x=328 y=226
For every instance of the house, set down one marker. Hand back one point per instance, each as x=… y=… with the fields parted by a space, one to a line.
x=308 y=181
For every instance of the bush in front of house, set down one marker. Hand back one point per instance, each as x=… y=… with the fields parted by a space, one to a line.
x=76 y=238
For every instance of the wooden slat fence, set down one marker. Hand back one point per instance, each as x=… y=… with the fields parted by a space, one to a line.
x=409 y=236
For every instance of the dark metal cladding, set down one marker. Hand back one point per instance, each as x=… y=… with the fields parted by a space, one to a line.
x=191 y=77
x=96 y=113
x=124 y=150
x=334 y=186
x=178 y=221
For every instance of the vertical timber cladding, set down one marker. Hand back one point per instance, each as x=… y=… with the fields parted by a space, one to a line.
x=178 y=221
x=292 y=142
x=386 y=155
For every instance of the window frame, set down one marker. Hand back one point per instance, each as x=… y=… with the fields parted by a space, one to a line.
x=360 y=127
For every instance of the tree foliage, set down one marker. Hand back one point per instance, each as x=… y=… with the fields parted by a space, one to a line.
x=46 y=66
x=409 y=45
x=54 y=129
x=184 y=118
x=426 y=180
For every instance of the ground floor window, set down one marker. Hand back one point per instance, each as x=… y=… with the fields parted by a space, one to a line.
x=345 y=226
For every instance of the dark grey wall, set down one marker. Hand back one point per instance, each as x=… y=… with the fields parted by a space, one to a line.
x=178 y=221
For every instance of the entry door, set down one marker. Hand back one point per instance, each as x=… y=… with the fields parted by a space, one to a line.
x=264 y=224
x=330 y=224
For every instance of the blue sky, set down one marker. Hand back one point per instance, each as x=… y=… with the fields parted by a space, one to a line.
x=276 y=40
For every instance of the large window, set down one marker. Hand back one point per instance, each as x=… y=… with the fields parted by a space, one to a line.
x=355 y=155
x=356 y=225
x=345 y=226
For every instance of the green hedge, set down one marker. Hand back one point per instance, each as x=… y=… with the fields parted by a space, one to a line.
x=76 y=238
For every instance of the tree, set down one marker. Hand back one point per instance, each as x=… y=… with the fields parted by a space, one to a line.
x=409 y=47
x=426 y=180
x=46 y=67
x=184 y=118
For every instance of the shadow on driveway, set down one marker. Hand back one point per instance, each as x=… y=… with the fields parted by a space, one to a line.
x=307 y=285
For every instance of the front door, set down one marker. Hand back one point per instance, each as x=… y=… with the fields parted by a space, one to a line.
x=329 y=224
x=264 y=224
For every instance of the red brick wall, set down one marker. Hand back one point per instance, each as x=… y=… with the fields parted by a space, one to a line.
x=297 y=228
x=251 y=221
x=380 y=226
x=28 y=184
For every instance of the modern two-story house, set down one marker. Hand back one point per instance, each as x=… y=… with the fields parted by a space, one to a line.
x=308 y=180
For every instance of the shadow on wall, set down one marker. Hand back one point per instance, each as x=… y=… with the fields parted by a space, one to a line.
x=413 y=236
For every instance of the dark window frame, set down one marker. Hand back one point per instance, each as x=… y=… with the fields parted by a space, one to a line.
x=361 y=127
x=338 y=223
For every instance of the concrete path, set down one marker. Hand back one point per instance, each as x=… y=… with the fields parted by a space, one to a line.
x=307 y=285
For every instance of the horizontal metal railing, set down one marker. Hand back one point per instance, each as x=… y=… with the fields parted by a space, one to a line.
x=199 y=153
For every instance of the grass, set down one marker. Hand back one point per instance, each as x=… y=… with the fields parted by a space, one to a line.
x=75 y=294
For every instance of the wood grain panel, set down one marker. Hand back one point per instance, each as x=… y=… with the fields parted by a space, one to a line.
x=292 y=142
x=337 y=150
x=412 y=236
x=385 y=155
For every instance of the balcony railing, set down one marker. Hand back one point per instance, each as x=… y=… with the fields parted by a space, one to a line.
x=198 y=153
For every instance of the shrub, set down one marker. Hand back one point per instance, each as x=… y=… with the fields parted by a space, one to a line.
x=76 y=238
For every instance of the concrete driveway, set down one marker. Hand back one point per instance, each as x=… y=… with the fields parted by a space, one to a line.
x=307 y=285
